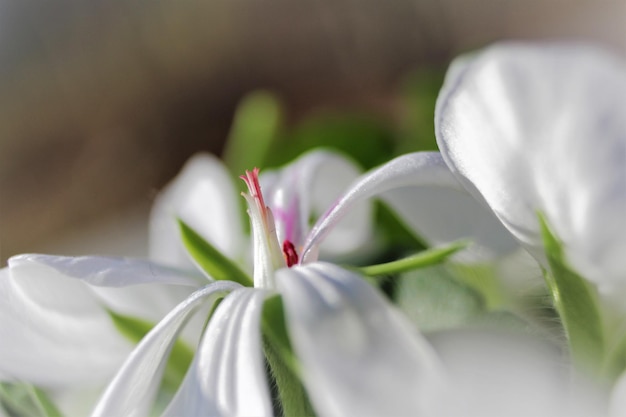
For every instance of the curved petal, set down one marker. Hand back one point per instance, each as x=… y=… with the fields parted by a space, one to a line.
x=227 y=376
x=543 y=128
x=504 y=373
x=110 y=272
x=204 y=196
x=359 y=356
x=132 y=287
x=415 y=185
x=151 y=303
x=442 y=215
x=54 y=331
x=132 y=390
x=306 y=188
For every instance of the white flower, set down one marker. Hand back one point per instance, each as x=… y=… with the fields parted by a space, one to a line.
x=541 y=129
x=535 y=129
x=335 y=319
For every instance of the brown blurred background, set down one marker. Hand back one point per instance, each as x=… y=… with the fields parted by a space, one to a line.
x=101 y=102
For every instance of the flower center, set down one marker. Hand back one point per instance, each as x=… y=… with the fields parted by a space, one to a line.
x=263 y=226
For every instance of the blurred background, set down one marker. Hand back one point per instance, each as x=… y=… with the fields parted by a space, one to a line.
x=101 y=102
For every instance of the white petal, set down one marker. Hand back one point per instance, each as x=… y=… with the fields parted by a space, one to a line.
x=306 y=188
x=227 y=377
x=543 y=128
x=495 y=374
x=110 y=272
x=204 y=196
x=76 y=401
x=151 y=302
x=416 y=185
x=618 y=398
x=132 y=390
x=131 y=287
x=359 y=356
x=442 y=215
x=54 y=331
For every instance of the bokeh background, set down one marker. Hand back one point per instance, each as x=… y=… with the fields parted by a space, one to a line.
x=101 y=102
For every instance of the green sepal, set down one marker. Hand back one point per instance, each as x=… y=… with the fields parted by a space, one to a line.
x=423 y=259
x=23 y=399
x=181 y=355
x=575 y=301
x=275 y=330
x=283 y=364
x=218 y=266
x=292 y=396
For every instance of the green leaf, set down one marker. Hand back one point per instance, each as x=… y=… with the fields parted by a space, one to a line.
x=181 y=355
x=395 y=232
x=23 y=399
x=421 y=260
x=615 y=362
x=484 y=279
x=218 y=266
x=419 y=92
x=339 y=131
x=575 y=301
x=435 y=300
x=255 y=126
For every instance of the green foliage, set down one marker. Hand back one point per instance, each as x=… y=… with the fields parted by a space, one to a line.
x=575 y=301
x=256 y=126
x=437 y=298
x=275 y=330
x=423 y=259
x=615 y=362
x=260 y=138
x=292 y=396
x=394 y=231
x=366 y=139
x=483 y=278
x=218 y=266
x=282 y=361
x=181 y=355
x=23 y=399
x=434 y=299
x=419 y=92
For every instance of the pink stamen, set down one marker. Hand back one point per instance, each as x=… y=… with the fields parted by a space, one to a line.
x=252 y=181
x=289 y=251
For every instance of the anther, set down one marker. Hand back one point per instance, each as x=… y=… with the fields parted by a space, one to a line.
x=289 y=251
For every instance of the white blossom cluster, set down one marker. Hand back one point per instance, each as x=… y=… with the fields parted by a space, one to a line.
x=532 y=146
